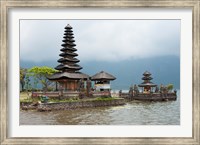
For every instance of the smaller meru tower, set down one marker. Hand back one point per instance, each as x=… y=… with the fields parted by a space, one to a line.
x=147 y=85
x=68 y=74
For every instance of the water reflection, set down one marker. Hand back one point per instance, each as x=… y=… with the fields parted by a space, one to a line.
x=133 y=113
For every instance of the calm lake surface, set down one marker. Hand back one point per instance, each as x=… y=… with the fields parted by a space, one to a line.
x=133 y=113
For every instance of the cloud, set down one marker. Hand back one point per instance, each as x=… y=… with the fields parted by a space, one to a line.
x=100 y=40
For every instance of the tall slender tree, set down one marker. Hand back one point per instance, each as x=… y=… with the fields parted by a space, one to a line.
x=23 y=72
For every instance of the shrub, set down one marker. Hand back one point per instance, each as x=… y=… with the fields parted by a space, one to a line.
x=104 y=98
x=170 y=87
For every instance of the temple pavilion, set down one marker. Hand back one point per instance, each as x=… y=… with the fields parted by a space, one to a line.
x=102 y=81
x=68 y=74
x=147 y=86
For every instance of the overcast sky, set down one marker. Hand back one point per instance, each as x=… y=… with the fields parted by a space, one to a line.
x=100 y=40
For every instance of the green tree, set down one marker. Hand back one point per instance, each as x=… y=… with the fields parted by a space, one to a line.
x=35 y=83
x=27 y=83
x=41 y=74
x=170 y=87
x=23 y=72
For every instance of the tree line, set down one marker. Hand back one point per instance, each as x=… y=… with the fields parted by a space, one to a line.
x=31 y=78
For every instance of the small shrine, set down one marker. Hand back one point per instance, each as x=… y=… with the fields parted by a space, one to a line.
x=102 y=81
x=147 y=86
x=68 y=75
x=149 y=91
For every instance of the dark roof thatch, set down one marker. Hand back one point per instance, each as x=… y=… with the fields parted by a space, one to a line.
x=68 y=61
x=147 y=84
x=68 y=26
x=61 y=60
x=146 y=73
x=66 y=75
x=103 y=76
x=67 y=54
x=147 y=78
x=65 y=66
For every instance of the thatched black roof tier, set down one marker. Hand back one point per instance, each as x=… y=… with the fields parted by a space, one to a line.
x=68 y=27
x=68 y=48
x=61 y=60
x=68 y=33
x=68 y=67
x=146 y=73
x=67 y=75
x=103 y=76
x=147 y=78
x=70 y=40
x=68 y=30
x=68 y=36
x=147 y=84
x=68 y=44
x=65 y=54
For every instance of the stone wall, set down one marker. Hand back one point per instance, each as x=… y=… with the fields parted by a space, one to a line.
x=150 y=96
x=55 y=95
x=70 y=94
x=79 y=104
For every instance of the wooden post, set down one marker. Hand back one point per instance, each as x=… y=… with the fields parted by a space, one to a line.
x=74 y=85
x=61 y=91
x=56 y=86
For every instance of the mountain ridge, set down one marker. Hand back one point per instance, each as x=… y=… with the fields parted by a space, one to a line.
x=164 y=70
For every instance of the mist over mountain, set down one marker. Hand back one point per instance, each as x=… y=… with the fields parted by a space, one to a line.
x=164 y=70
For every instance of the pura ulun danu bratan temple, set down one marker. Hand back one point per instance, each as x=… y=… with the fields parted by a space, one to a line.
x=68 y=74
x=73 y=82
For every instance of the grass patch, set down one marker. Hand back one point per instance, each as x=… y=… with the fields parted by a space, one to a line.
x=75 y=99
x=29 y=100
x=25 y=97
x=104 y=99
x=26 y=101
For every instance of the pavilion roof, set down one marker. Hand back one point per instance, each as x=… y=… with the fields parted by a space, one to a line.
x=103 y=76
x=67 y=75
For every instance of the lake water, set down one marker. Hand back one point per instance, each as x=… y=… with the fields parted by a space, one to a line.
x=133 y=113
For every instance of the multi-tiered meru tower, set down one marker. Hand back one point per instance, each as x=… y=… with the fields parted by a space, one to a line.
x=147 y=85
x=68 y=60
x=68 y=75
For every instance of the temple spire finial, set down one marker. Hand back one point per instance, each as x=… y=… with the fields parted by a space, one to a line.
x=68 y=26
